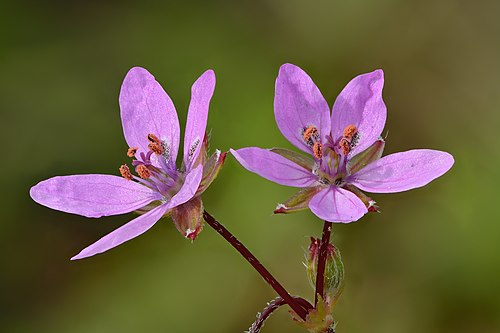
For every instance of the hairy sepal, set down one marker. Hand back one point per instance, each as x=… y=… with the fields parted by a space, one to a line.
x=298 y=202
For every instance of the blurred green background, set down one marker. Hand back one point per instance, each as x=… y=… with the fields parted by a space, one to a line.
x=430 y=262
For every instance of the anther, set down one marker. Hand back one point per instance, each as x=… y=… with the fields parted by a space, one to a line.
x=143 y=171
x=125 y=172
x=345 y=145
x=156 y=148
x=153 y=139
x=350 y=131
x=310 y=135
x=131 y=152
x=318 y=150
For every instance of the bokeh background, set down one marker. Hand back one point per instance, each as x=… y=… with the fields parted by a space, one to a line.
x=430 y=262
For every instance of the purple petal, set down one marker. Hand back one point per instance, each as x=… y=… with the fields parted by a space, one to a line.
x=298 y=104
x=274 y=167
x=201 y=93
x=147 y=109
x=360 y=104
x=188 y=189
x=92 y=195
x=335 y=204
x=402 y=171
x=132 y=229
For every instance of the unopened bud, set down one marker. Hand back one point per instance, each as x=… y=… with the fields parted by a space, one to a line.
x=334 y=268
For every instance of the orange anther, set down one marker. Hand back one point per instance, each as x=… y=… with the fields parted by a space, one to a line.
x=125 y=172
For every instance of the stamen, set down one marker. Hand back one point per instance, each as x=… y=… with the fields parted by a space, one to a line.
x=318 y=150
x=345 y=145
x=350 y=131
x=131 y=152
x=143 y=171
x=153 y=138
x=125 y=172
x=310 y=135
x=156 y=148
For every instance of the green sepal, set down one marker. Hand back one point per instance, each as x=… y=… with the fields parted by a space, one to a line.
x=211 y=169
x=369 y=155
x=299 y=201
x=318 y=320
x=188 y=218
x=302 y=160
x=370 y=204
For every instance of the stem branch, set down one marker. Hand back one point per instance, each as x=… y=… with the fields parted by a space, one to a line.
x=299 y=310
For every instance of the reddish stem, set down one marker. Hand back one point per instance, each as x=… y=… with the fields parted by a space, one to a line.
x=270 y=308
x=323 y=252
x=299 y=310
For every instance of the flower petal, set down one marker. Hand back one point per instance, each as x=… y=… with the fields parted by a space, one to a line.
x=335 y=204
x=402 y=171
x=188 y=189
x=147 y=109
x=360 y=104
x=92 y=195
x=132 y=229
x=274 y=167
x=298 y=104
x=201 y=94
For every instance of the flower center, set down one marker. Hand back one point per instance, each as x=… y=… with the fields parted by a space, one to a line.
x=157 y=174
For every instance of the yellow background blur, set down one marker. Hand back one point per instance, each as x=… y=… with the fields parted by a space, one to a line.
x=428 y=263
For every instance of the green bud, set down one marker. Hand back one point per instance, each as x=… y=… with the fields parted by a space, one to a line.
x=334 y=269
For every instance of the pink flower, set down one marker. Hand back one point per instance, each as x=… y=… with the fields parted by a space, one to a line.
x=151 y=129
x=345 y=149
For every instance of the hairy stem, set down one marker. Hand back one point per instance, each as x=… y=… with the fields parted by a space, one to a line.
x=270 y=308
x=299 y=310
x=323 y=252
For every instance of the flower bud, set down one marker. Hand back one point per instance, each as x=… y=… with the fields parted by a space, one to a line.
x=188 y=218
x=334 y=269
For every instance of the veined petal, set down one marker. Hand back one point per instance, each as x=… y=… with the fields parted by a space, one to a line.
x=298 y=104
x=274 y=167
x=92 y=195
x=201 y=94
x=360 y=104
x=147 y=109
x=402 y=171
x=335 y=204
x=188 y=189
x=132 y=229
